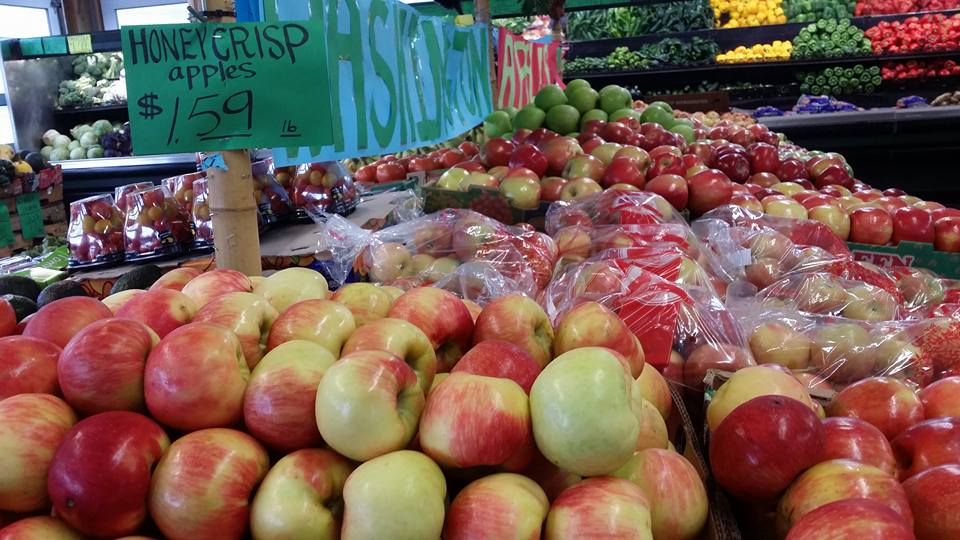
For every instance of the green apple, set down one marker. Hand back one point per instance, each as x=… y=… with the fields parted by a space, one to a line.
x=624 y=113
x=451 y=179
x=398 y=495
x=584 y=99
x=575 y=85
x=563 y=119
x=593 y=114
x=496 y=124
x=530 y=117
x=613 y=98
x=583 y=413
x=550 y=96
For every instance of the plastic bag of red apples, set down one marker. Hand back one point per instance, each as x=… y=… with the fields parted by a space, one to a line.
x=472 y=255
x=325 y=185
x=95 y=232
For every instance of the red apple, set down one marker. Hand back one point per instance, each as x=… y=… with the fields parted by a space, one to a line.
x=616 y=132
x=934 y=497
x=746 y=201
x=101 y=369
x=713 y=356
x=520 y=135
x=558 y=152
x=708 y=190
x=100 y=476
x=704 y=152
x=399 y=338
x=763 y=444
x=551 y=187
x=520 y=321
x=591 y=144
x=851 y=519
x=584 y=166
x=734 y=165
x=601 y=507
x=792 y=169
x=282 y=392
x=940 y=399
x=927 y=444
x=195 y=378
x=540 y=137
x=929 y=206
x=210 y=285
x=947 y=234
x=27 y=366
x=8 y=319
x=58 y=321
x=763 y=158
x=450 y=158
x=890 y=204
x=31 y=429
x=913 y=224
x=442 y=317
x=763 y=179
x=870 y=226
x=840 y=479
x=390 y=172
x=857 y=440
x=671 y=187
x=203 y=484
x=624 y=170
x=529 y=156
x=497 y=506
x=247 y=315
x=163 y=310
x=472 y=420
x=884 y=402
x=324 y=322
x=833 y=175
x=497 y=358
x=176 y=279
x=938 y=213
x=579 y=188
x=39 y=527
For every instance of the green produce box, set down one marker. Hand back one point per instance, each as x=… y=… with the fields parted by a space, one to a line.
x=918 y=254
x=486 y=201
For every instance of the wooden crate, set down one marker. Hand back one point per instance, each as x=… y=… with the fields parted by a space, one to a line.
x=54 y=219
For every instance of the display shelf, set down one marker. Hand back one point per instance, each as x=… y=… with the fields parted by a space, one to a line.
x=888 y=117
x=729 y=38
x=85 y=177
x=781 y=71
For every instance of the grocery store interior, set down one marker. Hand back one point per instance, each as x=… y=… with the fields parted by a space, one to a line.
x=464 y=269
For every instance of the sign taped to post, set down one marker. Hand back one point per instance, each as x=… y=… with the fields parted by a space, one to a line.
x=223 y=86
x=397 y=79
x=524 y=68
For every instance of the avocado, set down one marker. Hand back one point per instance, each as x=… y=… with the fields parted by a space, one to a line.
x=20 y=286
x=22 y=305
x=37 y=161
x=58 y=290
x=141 y=277
x=23 y=154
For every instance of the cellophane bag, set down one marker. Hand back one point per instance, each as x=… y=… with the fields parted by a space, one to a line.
x=120 y=193
x=271 y=198
x=611 y=207
x=459 y=250
x=684 y=329
x=95 y=233
x=182 y=190
x=823 y=293
x=156 y=226
x=200 y=220
x=327 y=185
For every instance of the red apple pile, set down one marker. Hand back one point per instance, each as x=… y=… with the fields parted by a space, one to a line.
x=885 y=463
x=216 y=405
x=391 y=168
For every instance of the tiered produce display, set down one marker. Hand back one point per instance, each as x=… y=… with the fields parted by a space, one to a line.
x=454 y=376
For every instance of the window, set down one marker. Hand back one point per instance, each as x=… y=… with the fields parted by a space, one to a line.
x=117 y=13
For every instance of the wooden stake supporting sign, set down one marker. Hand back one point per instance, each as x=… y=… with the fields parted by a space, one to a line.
x=233 y=212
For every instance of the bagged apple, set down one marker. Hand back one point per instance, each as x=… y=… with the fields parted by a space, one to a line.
x=683 y=329
x=840 y=350
x=459 y=250
x=182 y=189
x=95 y=234
x=612 y=207
x=325 y=187
x=200 y=221
x=822 y=293
x=270 y=196
x=155 y=225
x=120 y=193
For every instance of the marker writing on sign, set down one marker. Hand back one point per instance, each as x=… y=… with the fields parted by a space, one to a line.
x=223 y=51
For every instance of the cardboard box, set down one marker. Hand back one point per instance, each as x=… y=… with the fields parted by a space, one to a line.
x=917 y=254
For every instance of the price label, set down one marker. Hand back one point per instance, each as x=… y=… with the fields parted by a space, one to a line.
x=31 y=216
x=224 y=86
x=79 y=44
x=6 y=228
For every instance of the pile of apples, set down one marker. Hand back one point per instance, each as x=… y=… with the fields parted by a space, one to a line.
x=879 y=461
x=219 y=406
x=392 y=169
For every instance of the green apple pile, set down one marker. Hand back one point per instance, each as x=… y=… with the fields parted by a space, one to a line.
x=563 y=111
x=213 y=405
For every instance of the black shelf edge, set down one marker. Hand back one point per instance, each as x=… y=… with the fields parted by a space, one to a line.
x=91 y=110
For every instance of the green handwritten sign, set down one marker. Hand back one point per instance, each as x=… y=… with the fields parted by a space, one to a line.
x=225 y=86
x=31 y=47
x=397 y=79
x=31 y=216
x=79 y=44
x=6 y=228
x=54 y=45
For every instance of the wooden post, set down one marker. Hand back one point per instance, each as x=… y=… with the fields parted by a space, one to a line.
x=233 y=211
x=481 y=12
